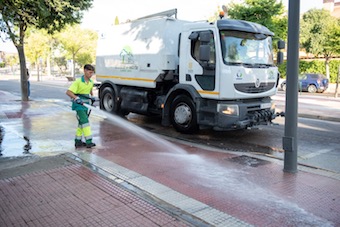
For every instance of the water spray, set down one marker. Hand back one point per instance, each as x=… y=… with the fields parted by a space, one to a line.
x=119 y=121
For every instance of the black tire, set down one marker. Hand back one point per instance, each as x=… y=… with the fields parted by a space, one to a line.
x=108 y=100
x=312 y=88
x=183 y=114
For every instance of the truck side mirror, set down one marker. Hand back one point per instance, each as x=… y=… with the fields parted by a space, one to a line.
x=204 y=54
x=205 y=37
x=193 y=36
x=281 y=44
x=279 y=58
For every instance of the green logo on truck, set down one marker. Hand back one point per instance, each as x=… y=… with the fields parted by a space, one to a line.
x=126 y=55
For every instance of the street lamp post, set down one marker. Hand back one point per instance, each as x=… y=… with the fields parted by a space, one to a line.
x=290 y=135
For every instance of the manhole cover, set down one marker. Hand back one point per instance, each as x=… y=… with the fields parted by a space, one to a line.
x=249 y=161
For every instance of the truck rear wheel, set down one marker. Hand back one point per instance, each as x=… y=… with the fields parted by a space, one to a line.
x=183 y=114
x=108 y=100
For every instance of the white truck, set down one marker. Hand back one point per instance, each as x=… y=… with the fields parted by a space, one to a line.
x=193 y=74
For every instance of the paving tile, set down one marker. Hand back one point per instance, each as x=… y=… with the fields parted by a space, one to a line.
x=74 y=196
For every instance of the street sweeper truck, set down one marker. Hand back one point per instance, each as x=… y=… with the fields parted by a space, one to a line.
x=194 y=75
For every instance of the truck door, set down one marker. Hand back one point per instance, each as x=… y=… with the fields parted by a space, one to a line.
x=202 y=56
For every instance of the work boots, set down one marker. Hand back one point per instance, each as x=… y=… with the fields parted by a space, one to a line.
x=79 y=143
x=90 y=145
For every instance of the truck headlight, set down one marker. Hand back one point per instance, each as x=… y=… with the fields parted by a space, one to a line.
x=273 y=106
x=228 y=109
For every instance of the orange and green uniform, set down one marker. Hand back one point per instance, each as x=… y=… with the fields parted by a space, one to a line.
x=82 y=89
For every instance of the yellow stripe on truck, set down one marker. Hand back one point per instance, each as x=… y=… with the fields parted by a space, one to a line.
x=209 y=92
x=124 y=78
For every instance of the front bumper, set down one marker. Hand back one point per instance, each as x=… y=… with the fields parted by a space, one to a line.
x=250 y=113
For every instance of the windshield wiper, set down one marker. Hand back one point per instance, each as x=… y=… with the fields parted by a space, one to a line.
x=249 y=65
x=261 y=65
x=234 y=63
x=257 y=65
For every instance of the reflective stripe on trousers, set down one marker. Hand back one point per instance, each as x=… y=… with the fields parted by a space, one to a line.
x=83 y=126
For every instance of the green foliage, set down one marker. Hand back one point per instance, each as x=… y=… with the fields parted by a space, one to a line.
x=315 y=66
x=269 y=13
x=61 y=62
x=2 y=64
x=37 y=45
x=12 y=60
x=319 y=33
x=18 y=15
x=79 y=44
x=334 y=39
x=85 y=58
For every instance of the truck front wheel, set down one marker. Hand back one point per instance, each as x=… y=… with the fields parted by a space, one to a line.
x=183 y=114
x=108 y=100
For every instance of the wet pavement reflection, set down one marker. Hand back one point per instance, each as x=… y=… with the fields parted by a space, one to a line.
x=34 y=127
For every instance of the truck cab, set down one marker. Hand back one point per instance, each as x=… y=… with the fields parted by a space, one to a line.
x=229 y=68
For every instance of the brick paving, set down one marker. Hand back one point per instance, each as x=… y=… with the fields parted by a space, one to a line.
x=75 y=196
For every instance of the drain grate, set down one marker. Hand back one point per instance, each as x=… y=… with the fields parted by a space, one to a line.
x=249 y=161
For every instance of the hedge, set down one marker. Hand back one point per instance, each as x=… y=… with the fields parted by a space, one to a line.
x=315 y=66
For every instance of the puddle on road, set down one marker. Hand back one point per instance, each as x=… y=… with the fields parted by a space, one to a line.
x=249 y=161
x=12 y=144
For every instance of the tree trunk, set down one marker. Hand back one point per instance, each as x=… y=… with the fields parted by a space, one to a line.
x=74 y=66
x=37 y=67
x=23 y=75
x=48 y=65
x=327 y=68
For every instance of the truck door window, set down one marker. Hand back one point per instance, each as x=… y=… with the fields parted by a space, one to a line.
x=207 y=79
x=195 y=48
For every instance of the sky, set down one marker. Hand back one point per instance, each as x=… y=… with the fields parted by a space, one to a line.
x=103 y=12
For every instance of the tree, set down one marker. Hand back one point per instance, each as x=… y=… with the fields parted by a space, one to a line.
x=269 y=13
x=79 y=43
x=319 y=35
x=37 y=47
x=17 y=15
x=12 y=60
x=61 y=62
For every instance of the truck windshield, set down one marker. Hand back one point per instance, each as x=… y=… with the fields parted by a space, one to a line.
x=247 y=48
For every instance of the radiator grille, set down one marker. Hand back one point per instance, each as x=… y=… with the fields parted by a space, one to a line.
x=250 y=87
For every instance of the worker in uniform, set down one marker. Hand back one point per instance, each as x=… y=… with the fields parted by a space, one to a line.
x=80 y=92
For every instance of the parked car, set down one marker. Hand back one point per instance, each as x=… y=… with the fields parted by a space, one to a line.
x=311 y=82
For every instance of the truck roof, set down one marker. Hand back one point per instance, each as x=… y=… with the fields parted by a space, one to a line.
x=244 y=26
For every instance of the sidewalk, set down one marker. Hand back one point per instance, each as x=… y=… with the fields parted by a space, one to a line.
x=75 y=196
x=134 y=180
x=323 y=107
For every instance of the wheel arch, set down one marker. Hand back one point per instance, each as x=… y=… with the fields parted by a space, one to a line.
x=106 y=84
x=179 y=89
x=111 y=85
